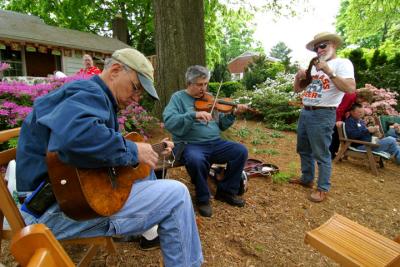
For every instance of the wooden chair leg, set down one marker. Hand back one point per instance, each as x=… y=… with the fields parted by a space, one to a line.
x=110 y=246
x=371 y=160
x=85 y=261
x=381 y=165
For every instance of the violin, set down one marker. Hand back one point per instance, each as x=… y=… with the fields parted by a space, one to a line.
x=303 y=83
x=206 y=103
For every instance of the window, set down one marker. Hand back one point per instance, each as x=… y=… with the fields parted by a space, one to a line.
x=14 y=59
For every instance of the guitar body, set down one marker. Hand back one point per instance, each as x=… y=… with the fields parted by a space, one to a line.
x=88 y=193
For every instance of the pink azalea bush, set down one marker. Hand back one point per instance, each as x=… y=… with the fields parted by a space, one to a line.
x=382 y=102
x=4 y=66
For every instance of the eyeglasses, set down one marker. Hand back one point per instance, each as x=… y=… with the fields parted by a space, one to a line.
x=136 y=90
x=322 y=46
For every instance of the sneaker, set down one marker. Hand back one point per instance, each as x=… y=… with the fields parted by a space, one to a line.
x=205 y=209
x=145 y=244
x=229 y=198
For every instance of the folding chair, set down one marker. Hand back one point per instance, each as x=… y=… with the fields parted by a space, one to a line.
x=10 y=211
x=35 y=246
x=351 y=244
x=371 y=157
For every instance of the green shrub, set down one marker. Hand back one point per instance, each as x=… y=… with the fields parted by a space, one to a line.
x=227 y=88
x=260 y=70
x=272 y=100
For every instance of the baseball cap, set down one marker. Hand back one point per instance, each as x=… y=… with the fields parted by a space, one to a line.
x=138 y=62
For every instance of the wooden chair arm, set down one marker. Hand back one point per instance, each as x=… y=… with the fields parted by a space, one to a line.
x=359 y=142
x=8 y=134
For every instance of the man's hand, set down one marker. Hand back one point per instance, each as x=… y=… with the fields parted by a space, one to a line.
x=322 y=65
x=168 y=149
x=203 y=116
x=373 y=129
x=300 y=75
x=146 y=154
x=339 y=123
x=240 y=108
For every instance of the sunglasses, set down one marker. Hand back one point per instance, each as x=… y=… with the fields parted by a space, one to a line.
x=322 y=46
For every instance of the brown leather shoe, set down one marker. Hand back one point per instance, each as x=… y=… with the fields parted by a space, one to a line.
x=300 y=182
x=318 y=196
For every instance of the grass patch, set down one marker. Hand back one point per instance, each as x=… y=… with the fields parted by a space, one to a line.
x=281 y=177
x=277 y=135
x=268 y=151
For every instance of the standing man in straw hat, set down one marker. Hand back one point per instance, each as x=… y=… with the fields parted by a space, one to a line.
x=331 y=78
x=79 y=122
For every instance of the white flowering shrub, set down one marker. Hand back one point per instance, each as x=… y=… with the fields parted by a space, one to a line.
x=276 y=101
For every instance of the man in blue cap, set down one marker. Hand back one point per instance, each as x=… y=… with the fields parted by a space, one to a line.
x=79 y=122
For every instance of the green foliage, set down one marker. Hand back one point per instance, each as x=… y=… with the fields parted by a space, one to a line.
x=272 y=98
x=243 y=132
x=95 y=16
x=220 y=73
x=277 y=135
x=374 y=66
x=281 y=177
x=268 y=151
x=368 y=23
x=258 y=71
x=282 y=52
x=229 y=31
x=227 y=88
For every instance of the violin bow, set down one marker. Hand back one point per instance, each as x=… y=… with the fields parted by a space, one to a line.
x=216 y=97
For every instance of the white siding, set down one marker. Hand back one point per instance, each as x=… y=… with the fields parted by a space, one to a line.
x=71 y=65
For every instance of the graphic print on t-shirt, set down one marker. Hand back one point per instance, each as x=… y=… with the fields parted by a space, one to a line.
x=313 y=94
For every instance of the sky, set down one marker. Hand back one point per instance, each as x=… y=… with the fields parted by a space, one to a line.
x=297 y=31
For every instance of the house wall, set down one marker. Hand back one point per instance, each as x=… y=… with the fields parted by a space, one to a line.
x=71 y=65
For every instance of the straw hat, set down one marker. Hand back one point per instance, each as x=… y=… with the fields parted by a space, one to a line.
x=324 y=36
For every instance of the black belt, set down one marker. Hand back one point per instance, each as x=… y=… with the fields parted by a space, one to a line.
x=317 y=107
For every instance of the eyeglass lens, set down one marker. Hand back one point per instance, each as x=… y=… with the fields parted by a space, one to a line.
x=322 y=46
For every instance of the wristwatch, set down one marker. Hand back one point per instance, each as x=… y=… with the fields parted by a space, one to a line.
x=333 y=75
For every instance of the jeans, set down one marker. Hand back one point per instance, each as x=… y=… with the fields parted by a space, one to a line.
x=199 y=157
x=151 y=202
x=389 y=145
x=314 y=135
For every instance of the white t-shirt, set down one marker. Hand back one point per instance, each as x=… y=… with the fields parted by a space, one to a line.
x=322 y=91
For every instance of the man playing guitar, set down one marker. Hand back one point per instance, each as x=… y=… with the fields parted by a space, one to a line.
x=79 y=122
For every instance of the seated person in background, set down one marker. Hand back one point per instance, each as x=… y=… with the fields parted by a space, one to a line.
x=394 y=130
x=89 y=67
x=356 y=129
x=197 y=135
x=79 y=122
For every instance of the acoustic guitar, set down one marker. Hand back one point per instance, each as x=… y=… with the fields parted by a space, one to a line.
x=88 y=193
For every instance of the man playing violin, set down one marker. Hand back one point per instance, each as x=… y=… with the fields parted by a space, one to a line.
x=197 y=134
x=79 y=122
x=329 y=78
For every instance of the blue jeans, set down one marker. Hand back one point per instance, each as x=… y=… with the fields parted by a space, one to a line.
x=314 y=135
x=163 y=202
x=199 y=157
x=389 y=145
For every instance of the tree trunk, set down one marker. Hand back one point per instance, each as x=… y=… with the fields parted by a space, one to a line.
x=179 y=28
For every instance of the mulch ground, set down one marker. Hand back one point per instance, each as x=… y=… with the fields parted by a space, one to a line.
x=270 y=229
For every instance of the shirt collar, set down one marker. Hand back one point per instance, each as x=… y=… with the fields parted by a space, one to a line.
x=106 y=90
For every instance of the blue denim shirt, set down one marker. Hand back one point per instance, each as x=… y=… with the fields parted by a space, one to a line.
x=79 y=121
x=356 y=129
